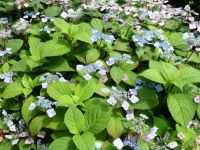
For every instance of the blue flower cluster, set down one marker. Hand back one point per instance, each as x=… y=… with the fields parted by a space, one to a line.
x=96 y=36
x=131 y=142
x=157 y=87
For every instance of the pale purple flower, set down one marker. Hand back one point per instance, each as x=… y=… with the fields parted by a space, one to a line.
x=110 y=61
x=79 y=67
x=118 y=143
x=181 y=135
x=14 y=142
x=133 y=91
x=23 y=134
x=159 y=88
x=32 y=106
x=9 y=137
x=102 y=71
x=197 y=99
x=51 y=112
x=125 y=105
x=99 y=63
x=105 y=90
x=112 y=101
x=130 y=116
x=87 y=77
x=12 y=128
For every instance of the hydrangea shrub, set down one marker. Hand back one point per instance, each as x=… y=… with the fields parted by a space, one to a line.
x=99 y=75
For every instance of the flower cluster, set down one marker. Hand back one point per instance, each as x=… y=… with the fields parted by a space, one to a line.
x=119 y=58
x=7 y=77
x=49 y=78
x=46 y=104
x=123 y=97
x=5 y=52
x=89 y=69
x=96 y=36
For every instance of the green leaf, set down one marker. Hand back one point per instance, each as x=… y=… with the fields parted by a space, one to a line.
x=13 y=90
x=153 y=75
x=96 y=119
x=181 y=108
x=85 y=89
x=64 y=143
x=162 y=125
x=53 y=11
x=115 y=127
x=58 y=64
x=148 y=99
x=120 y=45
x=171 y=24
x=74 y=120
x=36 y=125
x=23 y=146
x=131 y=77
x=97 y=24
x=65 y=101
x=57 y=122
x=86 y=141
x=5 y=145
x=14 y=44
x=92 y=55
x=26 y=113
x=62 y=25
x=57 y=89
x=116 y=74
x=27 y=82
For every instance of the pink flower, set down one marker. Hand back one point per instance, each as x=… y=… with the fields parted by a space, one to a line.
x=23 y=134
x=125 y=105
x=103 y=79
x=125 y=77
x=29 y=141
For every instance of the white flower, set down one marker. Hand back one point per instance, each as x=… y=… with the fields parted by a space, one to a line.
x=4 y=113
x=62 y=79
x=87 y=76
x=15 y=141
x=130 y=116
x=79 y=67
x=143 y=116
x=152 y=133
x=98 y=145
x=105 y=90
x=63 y=15
x=51 y=112
x=172 y=145
x=118 y=143
x=181 y=135
x=112 y=101
x=12 y=128
x=9 y=136
x=41 y=134
x=134 y=99
x=125 y=105
x=32 y=106
x=44 y=85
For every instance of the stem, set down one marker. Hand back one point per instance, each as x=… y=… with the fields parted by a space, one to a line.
x=127 y=31
x=163 y=102
x=189 y=57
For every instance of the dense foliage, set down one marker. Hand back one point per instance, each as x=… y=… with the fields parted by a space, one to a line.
x=101 y=74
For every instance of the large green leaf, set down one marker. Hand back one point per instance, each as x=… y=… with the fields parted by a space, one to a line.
x=116 y=74
x=62 y=25
x=86 y=141
x=57 y=89
x=181 y=108
x=115 y=127
x=13 y=90
x=64 y=143
x=14 y=44
x=36 y=125
x=74 y=120
x=85 y=89
x=148 y=99
x=96 y=119
x=26 y=113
